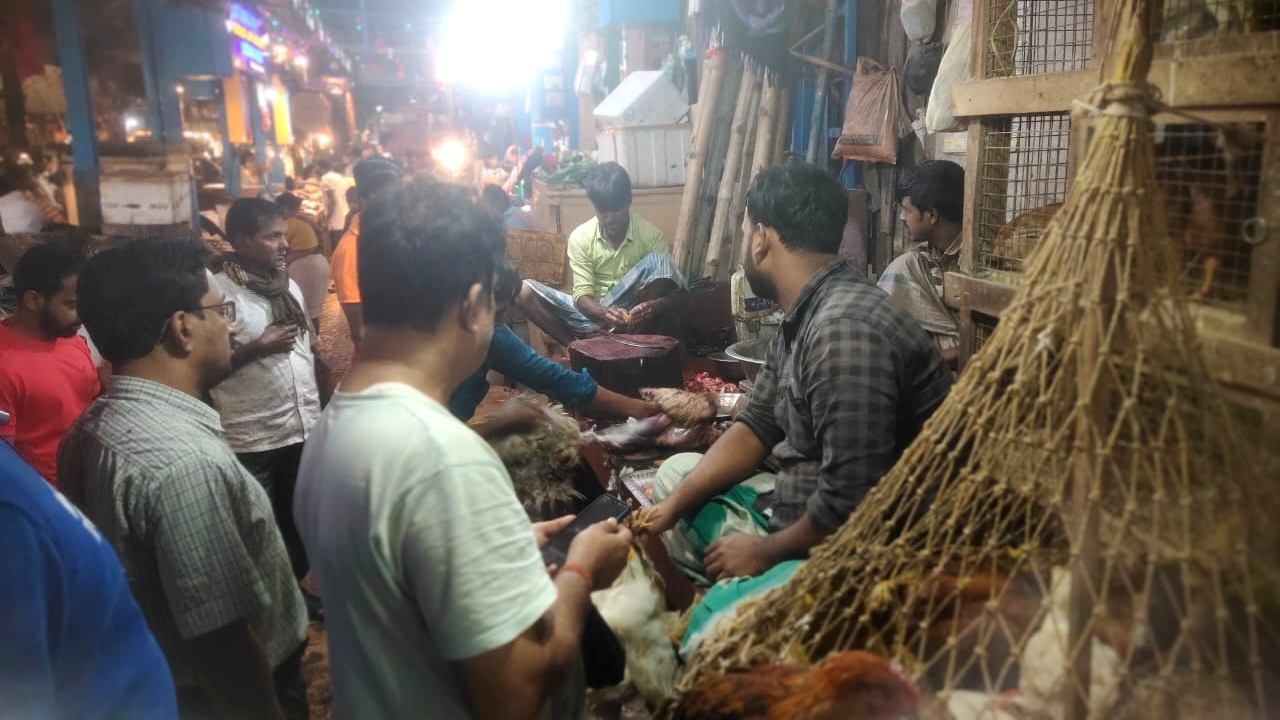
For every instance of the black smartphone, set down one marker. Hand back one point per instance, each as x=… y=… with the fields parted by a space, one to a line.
x=602 y=508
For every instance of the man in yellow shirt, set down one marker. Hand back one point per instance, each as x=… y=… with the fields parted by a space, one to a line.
x=623 y=277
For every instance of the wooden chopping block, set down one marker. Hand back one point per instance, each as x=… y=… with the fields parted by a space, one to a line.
x=625 y=369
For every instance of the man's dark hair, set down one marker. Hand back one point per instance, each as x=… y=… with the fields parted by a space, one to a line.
x=128 y=293
x=608 y=186
x=422 y=246
x=803 y=203
x=323 y=167
x=495 y=199
x=374 y=174
x=43 y=268
x=247 y=216
x=936 y=185
x=289 y=202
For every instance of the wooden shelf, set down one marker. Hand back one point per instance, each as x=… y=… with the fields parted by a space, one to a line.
x=1213 y=73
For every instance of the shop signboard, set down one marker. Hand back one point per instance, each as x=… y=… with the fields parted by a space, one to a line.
x=249 y=39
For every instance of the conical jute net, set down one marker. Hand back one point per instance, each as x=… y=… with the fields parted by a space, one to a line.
x=1079 y=530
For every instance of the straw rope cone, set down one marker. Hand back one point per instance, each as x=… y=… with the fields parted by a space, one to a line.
x=1079 y=522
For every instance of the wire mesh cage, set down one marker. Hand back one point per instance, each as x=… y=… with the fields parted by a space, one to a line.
x=1211 y=178
x=1023 y=176
x=983 y=327
x=1194 y=19
x=1030 y=37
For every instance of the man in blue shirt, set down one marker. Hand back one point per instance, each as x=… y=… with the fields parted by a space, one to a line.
x=74 y=644
x=515 y=360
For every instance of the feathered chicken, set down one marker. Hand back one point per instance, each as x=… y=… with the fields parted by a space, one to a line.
x=1015 y=239
x=852 y=684
x=633 y=608
x=685 y=408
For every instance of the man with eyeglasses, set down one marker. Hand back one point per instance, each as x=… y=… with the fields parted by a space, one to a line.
x=148 y=464
x=271 y=401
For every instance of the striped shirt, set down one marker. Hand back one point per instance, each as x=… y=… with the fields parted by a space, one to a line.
x=846 y=386
x=193 y=529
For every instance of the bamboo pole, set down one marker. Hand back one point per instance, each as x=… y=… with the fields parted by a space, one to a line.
x=767 y=126
x=713 y=167
x=748 y=91
x=817 y=128
x=708 y=91
x=756 y=118
x=782 y=136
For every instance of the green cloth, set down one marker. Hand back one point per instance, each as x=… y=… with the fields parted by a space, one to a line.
x=733 y=512
x=597 y=267
x=727 y=593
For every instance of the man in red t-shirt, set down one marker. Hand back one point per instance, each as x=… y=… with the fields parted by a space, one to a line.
x=47 y=376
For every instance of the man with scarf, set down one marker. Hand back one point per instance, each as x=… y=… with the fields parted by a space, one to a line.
x=932 y=200
x=271 y=401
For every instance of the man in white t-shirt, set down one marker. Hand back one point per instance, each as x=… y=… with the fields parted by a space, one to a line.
x=272 y=400
x=335 y=199
x=437 y=601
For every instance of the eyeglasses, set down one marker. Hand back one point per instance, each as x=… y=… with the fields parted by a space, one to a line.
x=227 y=310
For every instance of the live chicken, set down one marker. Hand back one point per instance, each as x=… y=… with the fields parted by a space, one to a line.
x=852 y=684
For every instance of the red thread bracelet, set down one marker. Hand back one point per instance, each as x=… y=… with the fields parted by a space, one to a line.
x=579 y=570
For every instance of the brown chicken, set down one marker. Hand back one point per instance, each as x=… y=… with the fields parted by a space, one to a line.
x=685 y=408
x=1016 y=239
x=853 y=684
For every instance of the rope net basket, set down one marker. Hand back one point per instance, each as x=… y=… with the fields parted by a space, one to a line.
x=1078 y=531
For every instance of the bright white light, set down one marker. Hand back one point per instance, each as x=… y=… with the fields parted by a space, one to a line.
x=323 y=140
x=301 y=62
x=465 y=58
x=450 y=155
x=131 y=123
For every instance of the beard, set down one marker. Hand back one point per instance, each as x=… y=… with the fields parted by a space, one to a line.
x=760 y=283
x=54 y=329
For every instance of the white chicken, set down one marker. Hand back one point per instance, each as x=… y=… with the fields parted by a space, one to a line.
x=1045 y=662
x=633 y=608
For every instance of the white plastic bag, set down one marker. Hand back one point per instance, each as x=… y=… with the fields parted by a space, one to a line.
x=919 y=17
x=940 y=115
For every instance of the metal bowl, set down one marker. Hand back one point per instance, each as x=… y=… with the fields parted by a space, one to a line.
x=727 y=404
x=728 y=368
x=750 y=353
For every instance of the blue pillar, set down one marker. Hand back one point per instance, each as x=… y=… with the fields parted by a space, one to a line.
x=163 y=107
x=853 y=176
x=75 y=83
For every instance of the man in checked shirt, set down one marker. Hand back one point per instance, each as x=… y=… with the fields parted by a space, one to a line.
x=846 y=385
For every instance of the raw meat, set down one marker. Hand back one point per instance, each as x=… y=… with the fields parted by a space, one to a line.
x=705 y=382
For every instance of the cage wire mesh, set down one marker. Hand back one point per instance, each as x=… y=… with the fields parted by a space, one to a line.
x=1080 y=529
x=1194 y=19
x=1022 y=183
x=1030 y=37
x=1211 y=178
x=983 y=327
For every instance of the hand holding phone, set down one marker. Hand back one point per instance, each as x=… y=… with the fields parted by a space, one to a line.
x=598 y=549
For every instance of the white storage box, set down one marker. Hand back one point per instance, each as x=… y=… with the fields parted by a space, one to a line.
x=652 y=156
x=642 y=126
x=157 y=198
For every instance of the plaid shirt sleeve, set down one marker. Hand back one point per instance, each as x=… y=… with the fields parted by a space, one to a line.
x=759 y=414
x=210 y=579
x=850 y=381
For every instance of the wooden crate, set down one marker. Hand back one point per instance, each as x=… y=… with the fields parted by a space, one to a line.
x=539 y=256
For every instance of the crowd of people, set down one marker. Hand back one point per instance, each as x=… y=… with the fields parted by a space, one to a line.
x=195 y=466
